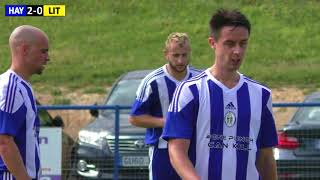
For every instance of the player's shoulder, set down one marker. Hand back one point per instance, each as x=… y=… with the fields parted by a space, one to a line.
x=194 y=71
x=152 y=76
x=199 y=77
x=9 y=90
x=195 y=79
x=256 y=84
x=8 y=82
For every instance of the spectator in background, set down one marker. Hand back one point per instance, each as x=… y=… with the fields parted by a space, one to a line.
x=19 y=122
x=153 y=98
x=220 y=124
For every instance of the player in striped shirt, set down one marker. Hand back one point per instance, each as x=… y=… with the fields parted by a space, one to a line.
x=220 y=124
x=153 y=98
x=19 y=122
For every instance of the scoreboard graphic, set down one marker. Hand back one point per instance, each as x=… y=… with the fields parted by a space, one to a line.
x=35 y=10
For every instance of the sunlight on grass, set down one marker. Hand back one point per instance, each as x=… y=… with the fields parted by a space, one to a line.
x=99 y=40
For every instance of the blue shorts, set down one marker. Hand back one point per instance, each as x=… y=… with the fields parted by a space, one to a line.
x=160 y=167
x=6 y=175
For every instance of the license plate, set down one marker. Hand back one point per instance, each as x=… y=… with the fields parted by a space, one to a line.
x=134 y=161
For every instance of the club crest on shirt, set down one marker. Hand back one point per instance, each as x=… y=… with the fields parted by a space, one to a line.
x=230 y=119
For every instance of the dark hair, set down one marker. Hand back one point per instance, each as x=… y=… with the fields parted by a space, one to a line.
x=225 y=17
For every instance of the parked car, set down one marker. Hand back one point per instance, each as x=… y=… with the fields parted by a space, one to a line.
x=93 y=153
x=298 y=153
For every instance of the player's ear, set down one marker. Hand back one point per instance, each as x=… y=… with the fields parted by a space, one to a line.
x=24 y=48
x=212 y=42
x=166 y=54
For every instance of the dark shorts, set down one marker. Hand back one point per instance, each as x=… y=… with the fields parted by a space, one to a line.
x=6 y=175
x=160 y=167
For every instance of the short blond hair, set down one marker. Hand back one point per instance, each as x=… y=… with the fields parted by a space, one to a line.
x=177 y=37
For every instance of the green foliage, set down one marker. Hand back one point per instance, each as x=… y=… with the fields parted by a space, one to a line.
x=99 y=40
x=90 y=90
x=59 y=100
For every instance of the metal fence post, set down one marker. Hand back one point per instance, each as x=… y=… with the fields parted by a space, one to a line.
x=116 y=148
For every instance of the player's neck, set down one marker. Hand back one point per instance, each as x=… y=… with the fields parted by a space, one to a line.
x=19 y=71
x=179 y=76
x=227 y=78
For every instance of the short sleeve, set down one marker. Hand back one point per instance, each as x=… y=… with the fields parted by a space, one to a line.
x=182 y=114
x=268 y=133
x=144 y=99
x=12 y=113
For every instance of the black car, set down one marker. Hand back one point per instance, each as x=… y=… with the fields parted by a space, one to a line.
x=93 y=154
x=298 y=153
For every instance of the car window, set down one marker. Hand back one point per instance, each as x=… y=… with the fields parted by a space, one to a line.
x=308 y=114
x=123 y=94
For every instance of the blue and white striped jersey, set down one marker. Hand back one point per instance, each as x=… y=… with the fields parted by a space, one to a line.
x=19 y=119
x=154 y=96
x=226 y=127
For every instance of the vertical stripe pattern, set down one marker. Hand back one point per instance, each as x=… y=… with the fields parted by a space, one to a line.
x=202 y=131
x=216 y=101
x=232 y=124
x=171 y=86
x=14 y=93
x=19 y=107
x=7 y=176
x=255 y=102
x=32 y=145
x=7 y=105
x=10 y=94
x=243 y=128
x=147 y=81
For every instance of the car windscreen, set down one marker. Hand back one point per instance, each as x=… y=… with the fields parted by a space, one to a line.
x=308 y=114
x=123 y=94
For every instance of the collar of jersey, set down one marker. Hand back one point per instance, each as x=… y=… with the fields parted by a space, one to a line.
x=19 y=77
x=222 y=86
x=174 y=79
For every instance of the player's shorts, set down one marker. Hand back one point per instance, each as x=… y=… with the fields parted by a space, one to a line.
x=6 y=175
x=160 y=167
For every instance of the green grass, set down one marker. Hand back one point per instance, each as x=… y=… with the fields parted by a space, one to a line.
x=99 y=40
x=58 y=100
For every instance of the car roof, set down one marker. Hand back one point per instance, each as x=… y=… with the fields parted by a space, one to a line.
x=138 y=74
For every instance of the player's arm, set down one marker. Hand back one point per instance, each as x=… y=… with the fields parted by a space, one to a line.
x=266 y=164
x=178 y=152
x=141 y=110
x=146 y=121
x=10 y=155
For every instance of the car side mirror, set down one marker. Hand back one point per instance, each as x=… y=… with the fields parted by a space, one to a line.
x=57 y=121
x=94 y=112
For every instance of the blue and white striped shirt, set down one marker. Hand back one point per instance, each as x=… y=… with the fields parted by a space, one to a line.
x=226 y=127
x=154 y=96
x=19 y=119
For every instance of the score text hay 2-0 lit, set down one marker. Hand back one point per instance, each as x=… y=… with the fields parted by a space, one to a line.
x=35 y=10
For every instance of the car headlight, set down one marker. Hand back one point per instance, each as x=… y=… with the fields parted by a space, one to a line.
x=94 y=138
